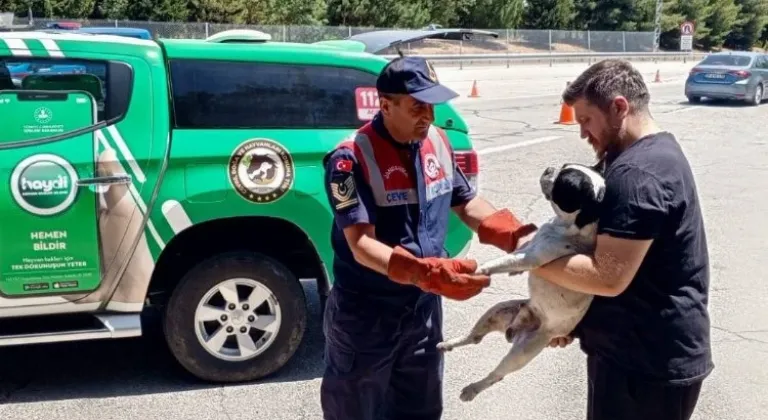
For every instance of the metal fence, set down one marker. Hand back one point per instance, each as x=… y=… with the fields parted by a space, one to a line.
x=509 y=40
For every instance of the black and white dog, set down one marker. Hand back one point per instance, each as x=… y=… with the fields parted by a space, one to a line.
x=575 y=193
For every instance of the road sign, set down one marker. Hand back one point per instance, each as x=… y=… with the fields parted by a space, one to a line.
x=687 y=28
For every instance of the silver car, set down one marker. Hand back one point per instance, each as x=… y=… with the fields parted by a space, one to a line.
x=733 y=75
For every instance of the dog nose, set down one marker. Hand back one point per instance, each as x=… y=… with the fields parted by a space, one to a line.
x=549 y=171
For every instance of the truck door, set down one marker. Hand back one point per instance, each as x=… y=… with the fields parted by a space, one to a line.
x=75 y=210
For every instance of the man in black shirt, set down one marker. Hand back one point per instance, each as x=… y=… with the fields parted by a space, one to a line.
x=647 y=333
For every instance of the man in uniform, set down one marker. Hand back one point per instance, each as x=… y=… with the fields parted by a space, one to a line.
x=392 y=186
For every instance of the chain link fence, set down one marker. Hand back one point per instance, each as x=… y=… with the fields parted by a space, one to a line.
x=508 y=41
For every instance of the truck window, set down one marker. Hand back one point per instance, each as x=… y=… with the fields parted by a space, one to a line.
x=253 y=95
x=110 y=83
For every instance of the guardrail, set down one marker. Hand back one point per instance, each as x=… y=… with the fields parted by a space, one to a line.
x=509 y=58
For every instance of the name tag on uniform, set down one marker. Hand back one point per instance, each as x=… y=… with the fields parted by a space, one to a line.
x=396 y=197
x=438 y=188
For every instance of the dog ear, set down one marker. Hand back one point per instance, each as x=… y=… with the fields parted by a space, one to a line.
x=600 y=166
x=587 y=215
x=590 y=207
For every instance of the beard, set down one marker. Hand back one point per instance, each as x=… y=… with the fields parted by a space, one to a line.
x=609 y=145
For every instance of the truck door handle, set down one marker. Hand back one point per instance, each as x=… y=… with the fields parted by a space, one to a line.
x=105 y=180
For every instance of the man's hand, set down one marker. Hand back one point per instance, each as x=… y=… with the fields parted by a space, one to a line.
x=452 y=278
x=504 y=231
x=561 y=341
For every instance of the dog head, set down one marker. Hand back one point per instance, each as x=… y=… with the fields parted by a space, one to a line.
x=575 y=192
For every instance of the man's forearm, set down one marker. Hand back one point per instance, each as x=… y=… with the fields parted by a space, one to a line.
x=475 y=211
x=371 y=253
x=581 y=273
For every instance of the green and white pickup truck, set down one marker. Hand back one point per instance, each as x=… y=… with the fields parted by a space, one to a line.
x=179 y=174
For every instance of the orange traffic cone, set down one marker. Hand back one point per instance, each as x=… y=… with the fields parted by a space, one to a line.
x=567 y=116
x=473 y=93
x=658 y=77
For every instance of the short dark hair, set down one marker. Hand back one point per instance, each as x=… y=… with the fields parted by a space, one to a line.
x=605 y=80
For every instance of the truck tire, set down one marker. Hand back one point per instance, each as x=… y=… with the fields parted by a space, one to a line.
x=206 y=306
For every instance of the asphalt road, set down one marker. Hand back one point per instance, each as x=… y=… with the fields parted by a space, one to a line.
x=513 y=126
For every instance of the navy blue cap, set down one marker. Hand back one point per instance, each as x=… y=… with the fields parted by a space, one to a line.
x=416 y=77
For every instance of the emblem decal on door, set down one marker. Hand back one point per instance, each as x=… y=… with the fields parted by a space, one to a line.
x=261 y=170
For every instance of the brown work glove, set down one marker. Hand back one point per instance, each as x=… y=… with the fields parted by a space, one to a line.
x=503 y=230
x=452 y=278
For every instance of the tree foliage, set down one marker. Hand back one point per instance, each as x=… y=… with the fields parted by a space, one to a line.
x=736 y=24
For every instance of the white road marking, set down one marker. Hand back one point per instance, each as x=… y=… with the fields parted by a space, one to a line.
x=464 y=100
x=517 y=145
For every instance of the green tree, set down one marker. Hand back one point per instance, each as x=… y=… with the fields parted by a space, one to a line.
x=604 y=15
x=299 y=12
x=750 y=26
x=8 y=6
x=379 y=13
x=217 y=11
x=71 y=9
x=721 y=23
x=171 y=10
x=449 y=12
x=549 y=14
x=493 y=14
x=111 y=9
x=764 y=37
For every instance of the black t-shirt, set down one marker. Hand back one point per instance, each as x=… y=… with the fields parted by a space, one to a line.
x=659 y=327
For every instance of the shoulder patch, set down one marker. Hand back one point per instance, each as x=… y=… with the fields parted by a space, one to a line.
x=343 y=165
x=343 y=190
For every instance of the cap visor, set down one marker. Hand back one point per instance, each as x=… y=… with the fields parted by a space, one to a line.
x=437 y=94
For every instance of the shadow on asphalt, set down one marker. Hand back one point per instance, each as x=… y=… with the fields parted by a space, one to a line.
x=131 y=366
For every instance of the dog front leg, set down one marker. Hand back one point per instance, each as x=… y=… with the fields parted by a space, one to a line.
x=515 y=263
x=526 y=347
x=498 y=318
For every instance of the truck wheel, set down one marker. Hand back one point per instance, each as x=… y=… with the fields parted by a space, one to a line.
x=235 y=317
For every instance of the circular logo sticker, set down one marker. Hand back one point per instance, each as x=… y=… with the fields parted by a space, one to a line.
x=44 y=184
x=432 y=166
x=261 y=170
x=43 y=115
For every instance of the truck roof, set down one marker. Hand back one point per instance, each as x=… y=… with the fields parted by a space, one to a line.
x=57 y=43
x=287 y=52
x=67 y=35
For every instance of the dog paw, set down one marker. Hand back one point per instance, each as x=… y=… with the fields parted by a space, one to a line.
x=444 y=346
x=468 y=393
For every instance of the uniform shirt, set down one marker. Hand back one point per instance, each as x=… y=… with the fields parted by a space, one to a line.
x=420 y=228
x=659 y=327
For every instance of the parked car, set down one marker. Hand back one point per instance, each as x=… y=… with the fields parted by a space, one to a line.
x=196 y=188
x=733 y=75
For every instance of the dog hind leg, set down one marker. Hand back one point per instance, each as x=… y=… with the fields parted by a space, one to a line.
x=527 y=345
x=497 y=318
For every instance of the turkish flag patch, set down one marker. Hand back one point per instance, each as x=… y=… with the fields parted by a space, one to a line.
x=344 y=165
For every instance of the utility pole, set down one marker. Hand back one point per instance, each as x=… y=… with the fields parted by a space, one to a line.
x=657 y=25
